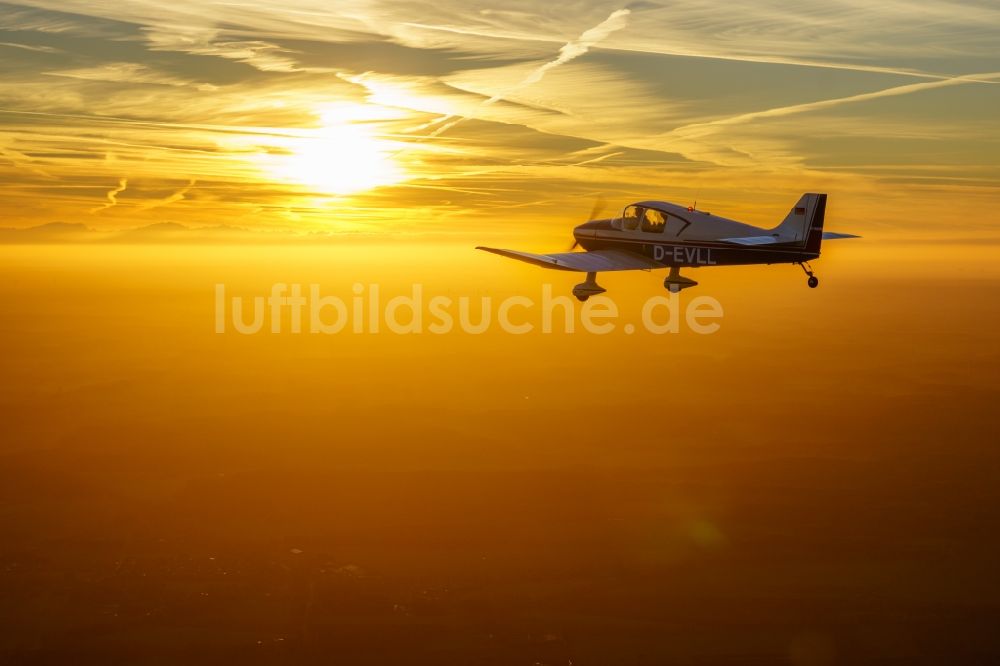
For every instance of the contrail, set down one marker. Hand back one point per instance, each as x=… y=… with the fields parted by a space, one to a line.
x=112 y=196
x=179 y=195
x=690 y=53
x=569 y=51
x=696 y=130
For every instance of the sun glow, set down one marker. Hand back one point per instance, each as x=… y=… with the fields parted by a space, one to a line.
x=344 y=156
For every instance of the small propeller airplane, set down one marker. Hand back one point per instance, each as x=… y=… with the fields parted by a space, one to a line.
x=660 y=234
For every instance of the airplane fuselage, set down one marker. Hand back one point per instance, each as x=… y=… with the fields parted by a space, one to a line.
x=692 y=254
x=675 y=236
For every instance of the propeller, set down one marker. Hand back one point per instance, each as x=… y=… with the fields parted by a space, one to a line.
x=595 y=212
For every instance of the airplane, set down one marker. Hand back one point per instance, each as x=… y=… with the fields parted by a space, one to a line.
x=659 y=234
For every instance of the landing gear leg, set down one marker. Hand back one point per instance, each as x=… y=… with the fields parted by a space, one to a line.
x=675 y=281
x=813 y=281
x=585 y=290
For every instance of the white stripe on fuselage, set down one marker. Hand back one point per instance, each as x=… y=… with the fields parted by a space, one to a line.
x=719 y=245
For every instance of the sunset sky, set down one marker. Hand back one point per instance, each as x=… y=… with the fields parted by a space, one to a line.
x=453 y=117
x=815 y=483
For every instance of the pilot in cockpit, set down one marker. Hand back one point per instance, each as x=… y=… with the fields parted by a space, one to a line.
x=631 y=218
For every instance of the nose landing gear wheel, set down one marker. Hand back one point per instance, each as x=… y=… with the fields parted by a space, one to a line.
x=813 y=282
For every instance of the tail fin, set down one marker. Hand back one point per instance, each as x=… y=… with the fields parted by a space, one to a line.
x=804 y=222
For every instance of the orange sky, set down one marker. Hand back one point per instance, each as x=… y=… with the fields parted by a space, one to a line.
x=435 y=119
x=814 y=483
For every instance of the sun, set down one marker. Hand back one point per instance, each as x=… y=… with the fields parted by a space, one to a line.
x=343 y=156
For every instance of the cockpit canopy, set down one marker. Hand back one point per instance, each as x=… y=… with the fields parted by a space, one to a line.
x=643 y=218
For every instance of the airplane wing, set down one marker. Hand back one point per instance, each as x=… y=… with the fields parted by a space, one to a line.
x=771 y=240
x=587 y=262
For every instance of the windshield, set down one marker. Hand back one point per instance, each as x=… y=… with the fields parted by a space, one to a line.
x=640 y=218
x=631 y=217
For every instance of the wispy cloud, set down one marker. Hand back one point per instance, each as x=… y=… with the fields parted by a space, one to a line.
x=734 y=141
x=569 y=51
x=179 y=195
x=207 y=41
x=695 y=130
x=21 y=161
x=112 y=197
x=30 y=47
x=128 y=72
x=667 y=95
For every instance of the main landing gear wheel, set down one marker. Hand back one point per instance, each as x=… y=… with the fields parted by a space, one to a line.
x=675 y=281
x=813 y=281
x=585 y=290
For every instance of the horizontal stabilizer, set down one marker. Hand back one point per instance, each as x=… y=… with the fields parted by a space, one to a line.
x=588 y=262
x=833 y=235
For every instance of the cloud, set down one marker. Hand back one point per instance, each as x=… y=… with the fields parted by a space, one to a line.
x=837 y=34
x=112 y=196
x=25 y=19
x=570 y=51
x=207 y=41
x=30 y=47
x=695 y=130
x=127 y=72
x=834 y=33
x=543 y=123
x=718 y=142
x=20 y=160
x=179 y=195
